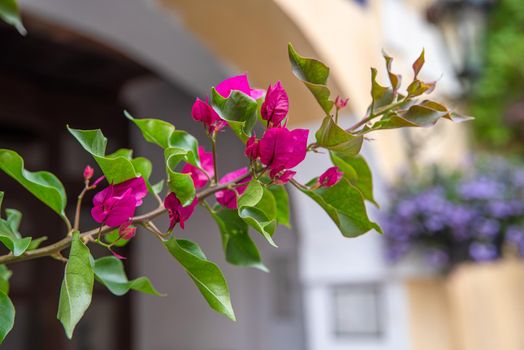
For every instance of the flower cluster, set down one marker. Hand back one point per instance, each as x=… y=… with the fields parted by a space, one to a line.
x=274 y=155
x=473 y=216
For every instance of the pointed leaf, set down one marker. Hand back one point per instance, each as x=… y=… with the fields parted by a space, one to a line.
x=10 y=13
x=157 y=188
x=77 y=286
x=356 y=170
x=35 y=243
x=418 y=64
x=345 y=205
x=238 y=246
x=282 y=200
x=116 y=167
x=179 y=183
x=110 y=272
x=7 y=316
x=13 y=219
x=206 y=275
x=154 y=130
x=42 y=184
x=381 y=95
x=334 y=138
x=314 y=74
x=239 y=110
x=257 y=207
x=166 y=136
x=5 y=274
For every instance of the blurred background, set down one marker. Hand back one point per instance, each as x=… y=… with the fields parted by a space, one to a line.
x=446 y=273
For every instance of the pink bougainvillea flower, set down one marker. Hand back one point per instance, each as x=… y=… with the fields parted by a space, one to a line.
x=251 y=150
x=282 y=177
x=330 y=177
x=88 y=173
x=240 y=83
x=282 y=149
x=204 y=113
x=341 y=103
x=116 y=204
x=177 y=212
x=200 y=179
x=276 y=105
x=228 y=198
x=137 y=186
x=113 y=210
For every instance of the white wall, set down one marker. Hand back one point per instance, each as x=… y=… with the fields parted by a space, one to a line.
x=328 y=259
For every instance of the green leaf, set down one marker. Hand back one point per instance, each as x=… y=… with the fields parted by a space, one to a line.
x=394 y=79
x=165 y=135
x=122 y=152
x=13 y=219
x=381 y=95
x=16 y=245
x=77 y=286
x=9 y=235
x=42 y=184
x=238 y=246
x=5 y=274
x=334 y=138
x=143 y=168
x=420 y=115
x=35 y=243
x=183 y=140
x=314 y=74
x=206 y=275
x=10 y=13
x=282 y=200
x=239 y=110
x=179 y=183
x=154 y=130
x=345 y=205
x=110 y=272
x=116 y=167
x=257 y=207
x=7 y=316
x=113 y=238
x=157 y=188
x=418 y=64
x=356 y=170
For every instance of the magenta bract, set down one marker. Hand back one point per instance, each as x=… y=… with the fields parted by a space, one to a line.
x=204 y=113
x=251 y=150
x=240 y=83
x=228 y=198
x=276 y=105
x=116 y=204
x=200 y=179
x=282 y=149
x=177 y=212
x=330 y=177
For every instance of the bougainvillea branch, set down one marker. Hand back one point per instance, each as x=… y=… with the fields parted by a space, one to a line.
x=251 y=198
x=52 y=249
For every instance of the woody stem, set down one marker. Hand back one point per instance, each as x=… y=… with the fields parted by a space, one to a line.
x=87 y=236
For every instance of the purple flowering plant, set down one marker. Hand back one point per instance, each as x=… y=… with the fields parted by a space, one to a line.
x=252 y=197
x=475 y=215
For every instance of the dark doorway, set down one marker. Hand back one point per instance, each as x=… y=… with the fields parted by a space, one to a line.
x=50 y=78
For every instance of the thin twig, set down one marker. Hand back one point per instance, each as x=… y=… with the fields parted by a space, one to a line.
x=214 y=149
x=87 y=236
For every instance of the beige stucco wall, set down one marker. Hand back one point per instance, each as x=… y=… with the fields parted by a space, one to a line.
x=346 y=36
